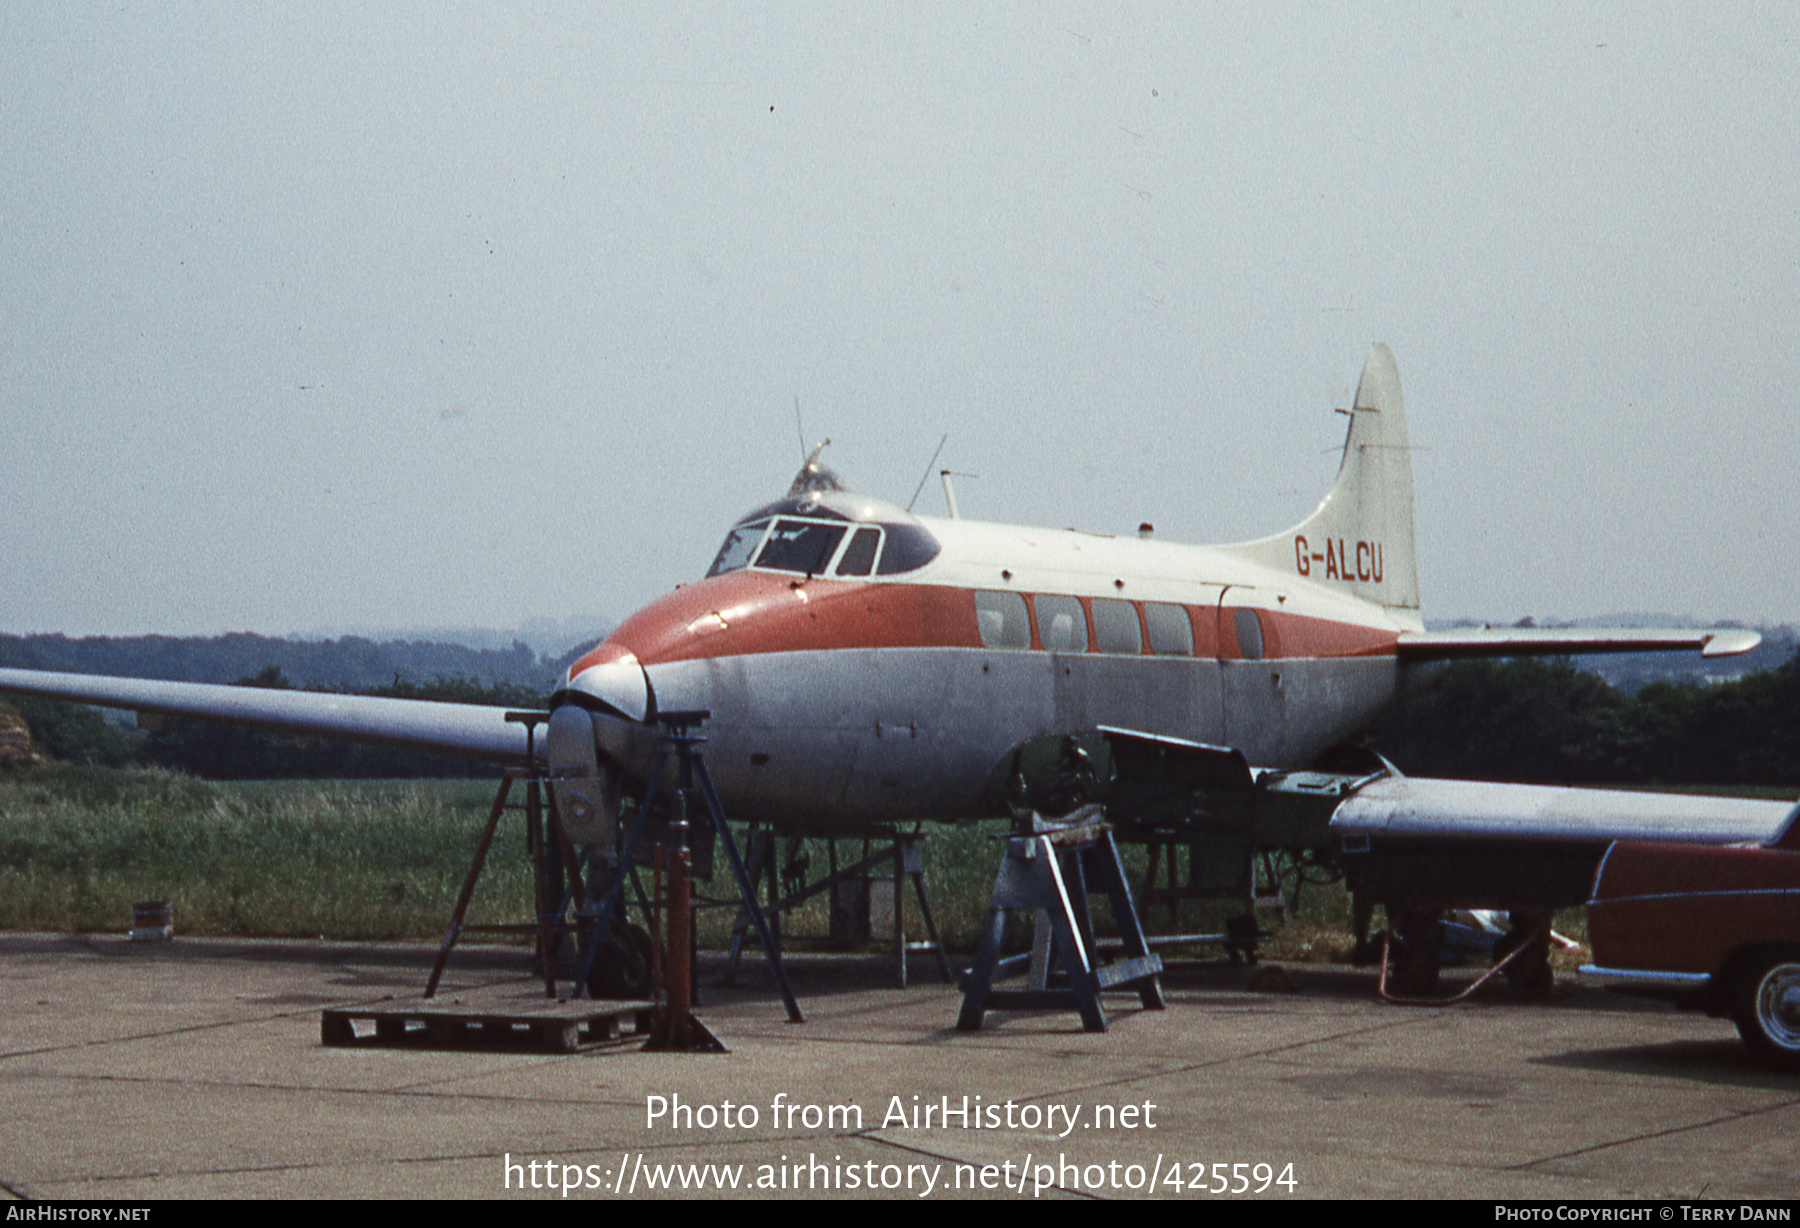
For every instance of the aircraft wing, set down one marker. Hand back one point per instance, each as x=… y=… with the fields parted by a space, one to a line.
x=1361 y=798
x=1404 y=840
x=1569 y=641
x=1415 y=808
x=1407 y=841
x=468 y=731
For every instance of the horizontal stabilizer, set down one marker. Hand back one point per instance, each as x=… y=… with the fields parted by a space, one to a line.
x=1569 y=641
x=467 y=731
x=1413 y=808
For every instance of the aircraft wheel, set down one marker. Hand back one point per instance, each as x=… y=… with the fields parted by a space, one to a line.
x=1529 y=974
x=1766 y=1004
x=1413 y=961
x=624 y=966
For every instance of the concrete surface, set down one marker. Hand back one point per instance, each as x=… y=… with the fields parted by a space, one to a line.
x=194 y=1069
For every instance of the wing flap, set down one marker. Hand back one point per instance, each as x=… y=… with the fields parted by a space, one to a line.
x=468 y=731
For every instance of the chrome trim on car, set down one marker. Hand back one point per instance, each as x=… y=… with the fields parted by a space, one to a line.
x=1640 y=976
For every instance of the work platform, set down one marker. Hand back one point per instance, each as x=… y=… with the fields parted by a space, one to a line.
x=504 y=1018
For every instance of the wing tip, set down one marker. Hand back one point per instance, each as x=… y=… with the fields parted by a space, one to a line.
x=1730 y=643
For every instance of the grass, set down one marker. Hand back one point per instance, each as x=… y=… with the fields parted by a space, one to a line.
x=372 y=860
x=334 y=859
x=385 y=860
x=959 y=867
x=353 y=860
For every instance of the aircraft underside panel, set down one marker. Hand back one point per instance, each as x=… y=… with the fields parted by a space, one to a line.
x=846 y=737
x=1282 y=712
x=1253 y=709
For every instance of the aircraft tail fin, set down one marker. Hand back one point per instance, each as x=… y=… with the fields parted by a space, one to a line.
x=1360 y=538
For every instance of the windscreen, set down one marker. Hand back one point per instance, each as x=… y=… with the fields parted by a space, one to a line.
x=739 y=545
x=800 y=545
x=909 y=547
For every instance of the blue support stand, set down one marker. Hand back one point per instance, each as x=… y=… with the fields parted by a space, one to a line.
x=1054 y=881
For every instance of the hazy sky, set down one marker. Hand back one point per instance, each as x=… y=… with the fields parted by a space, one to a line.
x=322 y=318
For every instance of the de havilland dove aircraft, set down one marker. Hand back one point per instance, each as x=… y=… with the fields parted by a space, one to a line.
x=862 y=665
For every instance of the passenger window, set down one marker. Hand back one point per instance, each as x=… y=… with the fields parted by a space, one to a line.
x=739 y=545
x=1116 y=626
x=1171 y=634
x=1001 y=617
x=1249 y=633
x=1061 y=625
x=800 y=545
x=859 y=555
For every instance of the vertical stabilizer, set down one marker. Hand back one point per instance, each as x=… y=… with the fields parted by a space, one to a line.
x=1360 y=539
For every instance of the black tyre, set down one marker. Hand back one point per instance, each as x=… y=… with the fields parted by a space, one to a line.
x=1767 y=1008
x=623 y=967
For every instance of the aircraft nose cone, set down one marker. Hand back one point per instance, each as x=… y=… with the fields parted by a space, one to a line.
x=619 y=686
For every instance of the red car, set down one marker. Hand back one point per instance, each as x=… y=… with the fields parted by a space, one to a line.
x=1713 y=928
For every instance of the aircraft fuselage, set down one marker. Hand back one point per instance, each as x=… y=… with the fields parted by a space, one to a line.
x=837 y=701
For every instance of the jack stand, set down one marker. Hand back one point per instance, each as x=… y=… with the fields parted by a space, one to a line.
x=1054 y=882
x=901 y=860
x=691 y=776
x=1243 y=875
x=907 y=864
x=551 y=859
x=676 y=1029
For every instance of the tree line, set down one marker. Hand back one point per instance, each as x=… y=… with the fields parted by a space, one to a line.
x=1546 y=722
x=348 y=661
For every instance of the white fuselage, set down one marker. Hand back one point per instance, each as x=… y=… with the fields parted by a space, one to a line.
x=837 y=701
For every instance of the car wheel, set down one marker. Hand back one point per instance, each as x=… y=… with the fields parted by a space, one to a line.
x=1767 y=1009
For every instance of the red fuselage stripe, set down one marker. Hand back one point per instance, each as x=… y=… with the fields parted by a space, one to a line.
x=750 y=612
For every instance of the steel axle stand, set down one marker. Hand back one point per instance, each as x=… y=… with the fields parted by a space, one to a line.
x=691 y=777
x=551 y=859
x=901 y=860
x=1053 y=874
x=676 y=1029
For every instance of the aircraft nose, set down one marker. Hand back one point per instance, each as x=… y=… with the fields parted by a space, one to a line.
x=619 y=703
x=597 y=739
x=621 y=687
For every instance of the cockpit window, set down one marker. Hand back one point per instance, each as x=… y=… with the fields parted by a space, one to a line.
x=808 y=546
x=739 y=545
x=909 y=547
x=859 y=555
x=800 y=545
